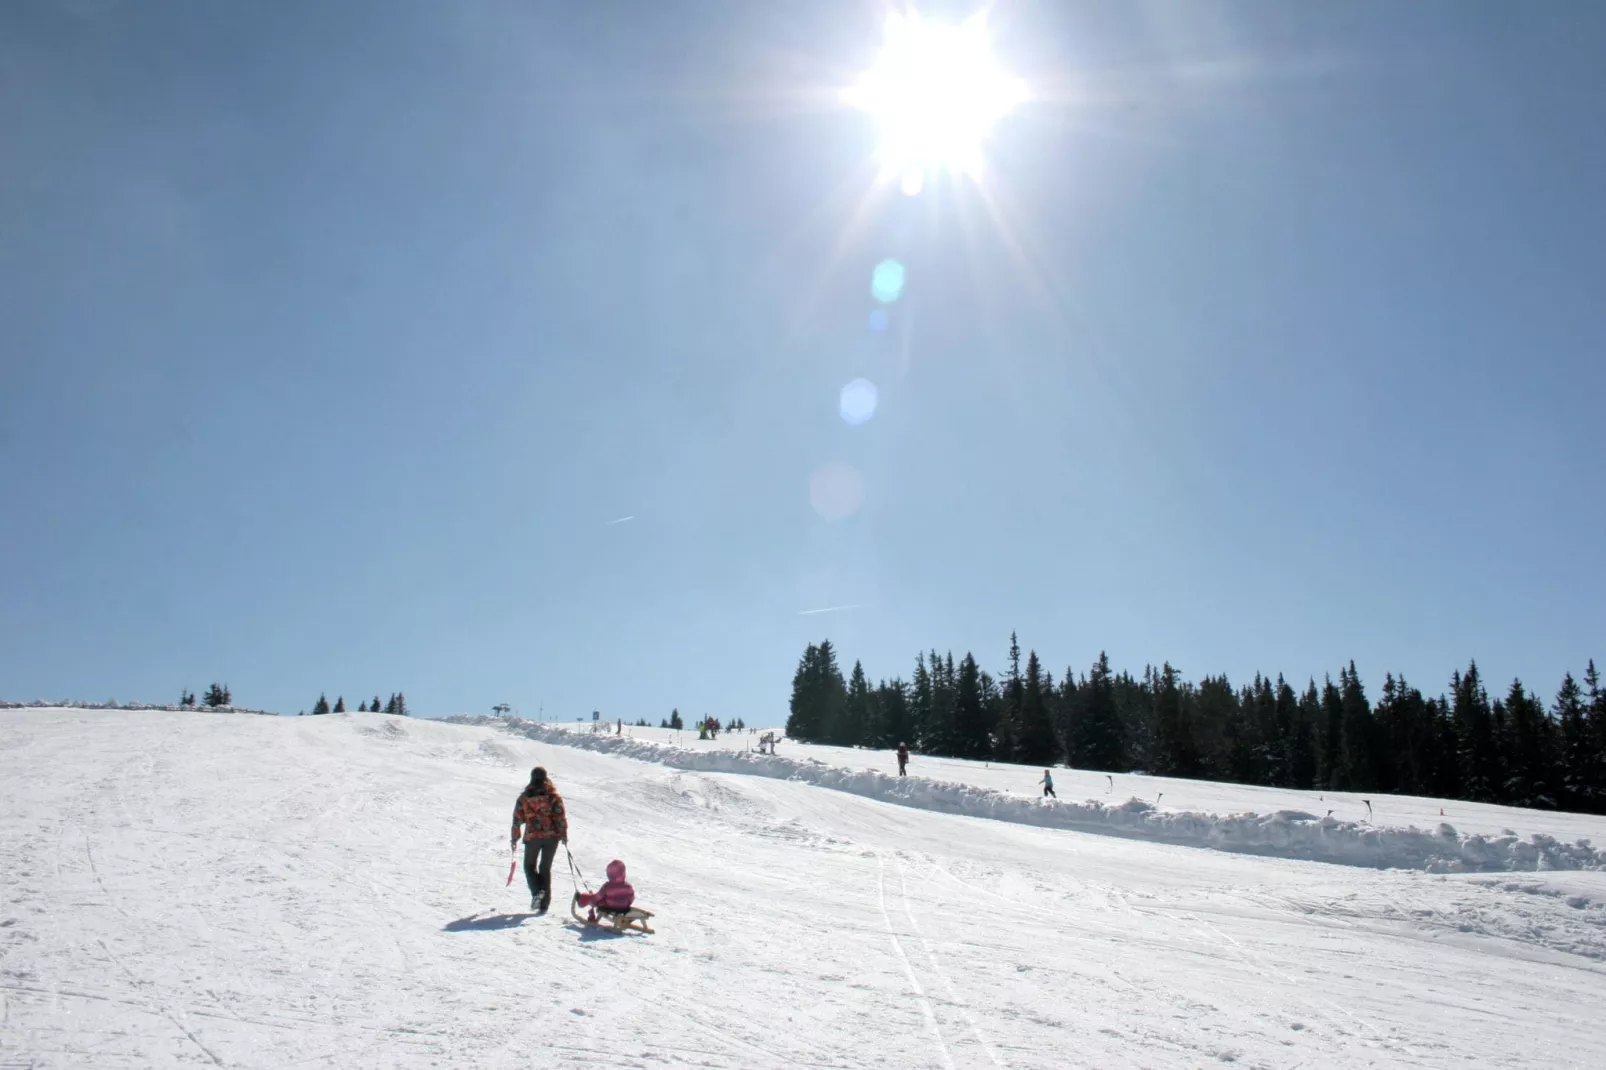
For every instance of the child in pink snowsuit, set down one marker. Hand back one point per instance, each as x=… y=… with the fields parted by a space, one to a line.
x=615 y=895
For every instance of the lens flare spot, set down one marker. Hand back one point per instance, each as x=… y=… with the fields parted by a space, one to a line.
x=886 y=282
x=836 y=491
x=858 y=401
x=878 y=320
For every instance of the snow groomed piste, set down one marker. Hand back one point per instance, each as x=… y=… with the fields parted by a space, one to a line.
x=189 y=889
x=1284 y=833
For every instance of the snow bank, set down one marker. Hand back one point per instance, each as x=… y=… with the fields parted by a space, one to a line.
x=1285 y=833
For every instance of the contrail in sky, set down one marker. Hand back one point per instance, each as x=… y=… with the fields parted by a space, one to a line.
x=621 y=520
x=831 y=609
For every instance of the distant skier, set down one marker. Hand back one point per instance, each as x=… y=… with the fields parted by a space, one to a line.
x=540 y=810
x=1048 y=784
x=903 y=758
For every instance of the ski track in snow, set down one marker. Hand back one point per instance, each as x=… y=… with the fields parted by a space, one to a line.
x=193 y=889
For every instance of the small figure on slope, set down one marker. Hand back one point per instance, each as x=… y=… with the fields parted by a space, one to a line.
x=614 y=903
x=1048 y=784
x=903 y=758
x=540 y=810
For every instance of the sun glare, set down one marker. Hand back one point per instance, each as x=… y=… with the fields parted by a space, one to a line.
x=935 y=90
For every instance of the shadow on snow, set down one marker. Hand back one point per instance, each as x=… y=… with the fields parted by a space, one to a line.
x=476 y=923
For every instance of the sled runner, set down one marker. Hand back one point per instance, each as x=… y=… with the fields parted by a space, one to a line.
x=619 y=921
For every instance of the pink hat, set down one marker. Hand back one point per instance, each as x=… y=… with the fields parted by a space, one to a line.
x=616 y=870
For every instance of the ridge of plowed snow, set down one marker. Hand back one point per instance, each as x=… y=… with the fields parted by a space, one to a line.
x=1283 y=833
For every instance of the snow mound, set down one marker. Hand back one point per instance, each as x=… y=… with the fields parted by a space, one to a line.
x=1284 y=834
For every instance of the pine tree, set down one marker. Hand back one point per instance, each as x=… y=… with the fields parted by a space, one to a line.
x=320 y=707
x=1260 y=711
x=1577 y=751
x=216 y=696
x=1215 y=716
x=1529 y=761
x=340 y=704
x=893 y=701
x=1330 y=737
x=1037 y=743
x=858 y=711
x=1102 y=741
x=1302 y=745
x=677 y=722
x=1176 y=753
x=401 y=704
x=1404 y=738
x=1475 y=736
x=1134 y=707
x=1357 y=768
x=992 y=705
x=972 y=737
x=1444 y=766
x=920 y=701
x=802 y=720
x=819 y=696
x=1006 y=733
x=1285 y=716
x=362 y=707
x=944 y=700
x=373 y=706
x=1595 y=704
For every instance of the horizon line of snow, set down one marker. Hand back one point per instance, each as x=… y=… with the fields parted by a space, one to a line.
x=41 y=704
x=1291 y=834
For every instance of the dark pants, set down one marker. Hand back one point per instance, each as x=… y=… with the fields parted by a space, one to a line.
x=1048 y=789
x=538 y=856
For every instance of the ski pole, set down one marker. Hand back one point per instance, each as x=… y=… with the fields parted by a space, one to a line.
x=512 y=864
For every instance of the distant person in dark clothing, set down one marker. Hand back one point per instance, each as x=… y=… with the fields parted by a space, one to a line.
x=903 y=758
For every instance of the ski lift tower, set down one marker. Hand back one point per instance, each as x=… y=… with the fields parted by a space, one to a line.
x=501 y=709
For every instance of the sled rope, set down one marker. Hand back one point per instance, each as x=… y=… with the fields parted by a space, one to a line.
x=574 y=872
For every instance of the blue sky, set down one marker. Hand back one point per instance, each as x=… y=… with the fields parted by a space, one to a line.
x=334 y=335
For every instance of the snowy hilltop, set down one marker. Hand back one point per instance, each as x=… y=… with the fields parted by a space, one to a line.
x=272 y=892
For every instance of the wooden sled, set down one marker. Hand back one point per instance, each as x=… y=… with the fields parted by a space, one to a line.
x=633 y=920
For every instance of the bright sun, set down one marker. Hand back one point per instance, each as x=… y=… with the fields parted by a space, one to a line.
x=935 y=90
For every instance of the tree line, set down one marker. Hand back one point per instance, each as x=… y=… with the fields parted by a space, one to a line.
x=1514 y=749
x=676 y=721
x=397 y=705
x=216 y=695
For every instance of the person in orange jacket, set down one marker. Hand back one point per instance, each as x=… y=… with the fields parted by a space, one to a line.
x=539 y=810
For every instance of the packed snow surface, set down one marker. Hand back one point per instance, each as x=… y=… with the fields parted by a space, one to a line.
x=185 y=888
x=985 y=790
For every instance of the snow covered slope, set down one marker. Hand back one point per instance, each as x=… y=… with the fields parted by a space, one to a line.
x=187 y=889
x=1279 y=827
